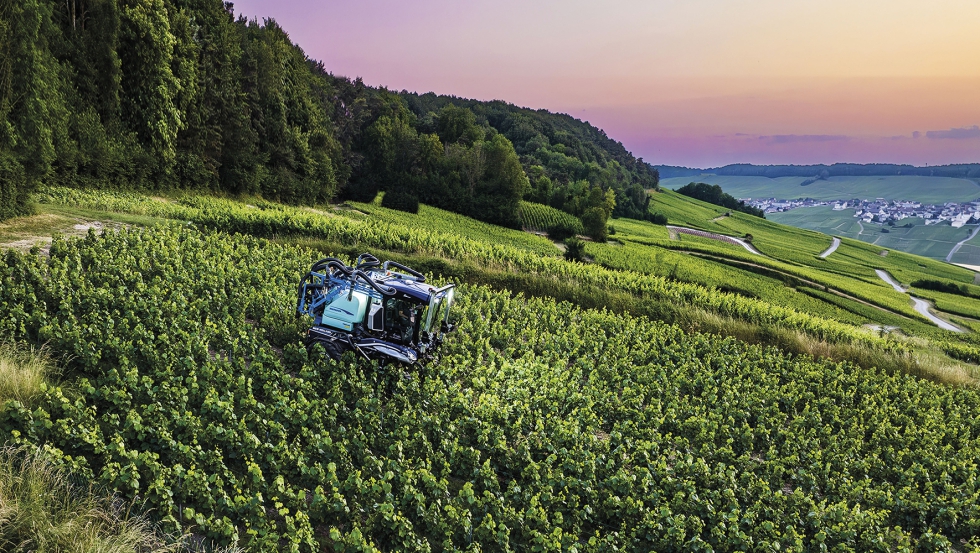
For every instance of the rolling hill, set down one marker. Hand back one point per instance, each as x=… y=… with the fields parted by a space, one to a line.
x=615 y=403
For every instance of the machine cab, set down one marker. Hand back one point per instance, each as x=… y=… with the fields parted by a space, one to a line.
x=417 y=314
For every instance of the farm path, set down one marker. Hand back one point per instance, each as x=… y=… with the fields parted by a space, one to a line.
x=832 y=248
x=921 y=306
x=956 y=248
x=713 y=236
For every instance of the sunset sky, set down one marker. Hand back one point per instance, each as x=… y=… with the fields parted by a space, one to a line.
x=696 y=82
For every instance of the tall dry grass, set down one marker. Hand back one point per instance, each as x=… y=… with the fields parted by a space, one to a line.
x=40 y=510
x=24 y=371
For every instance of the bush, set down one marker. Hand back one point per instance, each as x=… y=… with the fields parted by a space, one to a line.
x=561 y=230
x=575 y=249
x=594 y=221
x=402 y=201
x=657 y=218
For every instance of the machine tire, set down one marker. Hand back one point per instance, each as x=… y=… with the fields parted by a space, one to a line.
x=334 y=349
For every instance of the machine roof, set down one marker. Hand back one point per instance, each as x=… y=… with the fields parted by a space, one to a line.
x=414 y=289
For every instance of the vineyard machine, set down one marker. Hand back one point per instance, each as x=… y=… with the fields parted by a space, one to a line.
x=381 y=311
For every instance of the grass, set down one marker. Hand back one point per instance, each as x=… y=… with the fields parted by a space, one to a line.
x=48 y=219
x=910 y=187
x=778 y=241
x=24 y=372
x=821 y=218
x=41 y=510
x=969 y=253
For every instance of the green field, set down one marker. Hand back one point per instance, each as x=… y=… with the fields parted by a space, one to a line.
x=672 y=394
x=933 y=241
x=913 y=188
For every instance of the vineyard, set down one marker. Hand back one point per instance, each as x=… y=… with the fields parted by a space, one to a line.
x=384 y=232
x=541 y=427
x=544 y=218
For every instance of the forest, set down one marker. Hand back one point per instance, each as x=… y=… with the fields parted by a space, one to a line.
x=182 y=94
x=713 y=194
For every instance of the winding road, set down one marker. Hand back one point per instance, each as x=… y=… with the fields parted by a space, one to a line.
x=832 y=248
x=956 y=248
x=713 y=236
x=920 y=305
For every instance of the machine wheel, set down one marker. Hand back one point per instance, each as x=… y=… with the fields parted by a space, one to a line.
x=334 y=349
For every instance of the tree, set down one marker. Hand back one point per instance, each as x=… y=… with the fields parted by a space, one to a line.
x=574 y=249
x=32 y=110
x=498 y=195
x=456 y=124
x=149 y=86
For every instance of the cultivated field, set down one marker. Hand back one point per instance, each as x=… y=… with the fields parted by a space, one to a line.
x=619 y=404
x=934 y=241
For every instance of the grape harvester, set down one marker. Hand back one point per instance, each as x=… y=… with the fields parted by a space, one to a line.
x=382 y=311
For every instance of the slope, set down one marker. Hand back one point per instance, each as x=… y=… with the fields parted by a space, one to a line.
x=542 y=424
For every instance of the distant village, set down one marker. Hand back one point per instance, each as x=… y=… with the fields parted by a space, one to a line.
x=880 y=210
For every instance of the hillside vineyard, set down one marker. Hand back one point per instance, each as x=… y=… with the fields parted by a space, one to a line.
x=542 y=425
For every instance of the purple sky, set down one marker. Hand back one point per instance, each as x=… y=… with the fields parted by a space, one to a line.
x=697 y=83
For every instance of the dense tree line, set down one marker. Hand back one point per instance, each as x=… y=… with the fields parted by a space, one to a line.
x=161 y=93
x=713 y=194
x=182 y=94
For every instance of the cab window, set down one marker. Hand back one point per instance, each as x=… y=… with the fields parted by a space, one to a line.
x=400 y=317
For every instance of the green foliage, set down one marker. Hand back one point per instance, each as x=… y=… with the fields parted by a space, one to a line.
x=556 y=150
x=395 y=231
x=574 y=249
x=455 y=124
x=149 y=87
x=590 y=204
x=402 y=201
x=713 y=194
x=945 y=286
x=168 y=94
x=504 y=183
x=32 y=110
x=540 y=425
